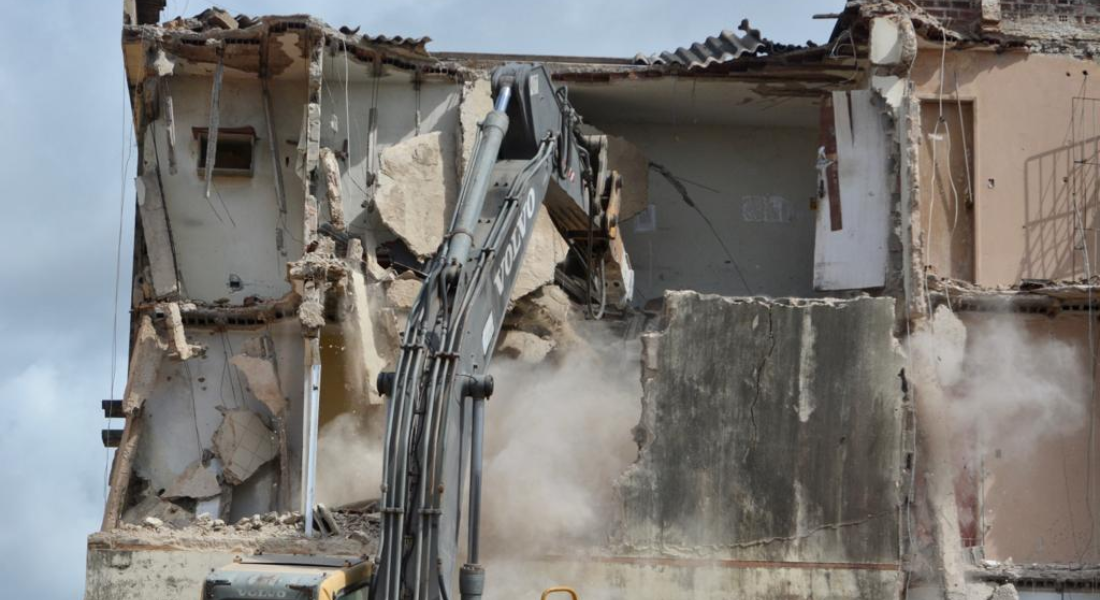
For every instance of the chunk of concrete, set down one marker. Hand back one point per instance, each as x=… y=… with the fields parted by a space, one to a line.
x=262 y=380
x=524 y=346
x=216 y=18
x=991 y=14
x=544 y=251
x=330 y=170
x=1005 y=592
x=368 y=346
x=244 y=444
x=177 y=336
x=402 y=293
x=197 y=481
x=886 y=41
x=416 y=191
x=547 y=313
x=477 y=101
x=145 y=362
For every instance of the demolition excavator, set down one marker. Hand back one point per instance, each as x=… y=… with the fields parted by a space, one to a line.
x=529 y=152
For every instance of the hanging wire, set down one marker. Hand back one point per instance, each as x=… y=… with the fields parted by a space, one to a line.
x=1080 y=225
x=125 y=155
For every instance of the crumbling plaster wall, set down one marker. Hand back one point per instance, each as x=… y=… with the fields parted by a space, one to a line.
x=186 y=409
x=1024 y=176
x=771 y=431
x=234 y=232
x=129 y=574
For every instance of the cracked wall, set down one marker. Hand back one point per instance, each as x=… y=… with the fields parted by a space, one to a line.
x=776 y=440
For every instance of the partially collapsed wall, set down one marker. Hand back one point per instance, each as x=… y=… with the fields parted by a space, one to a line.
x=772 y=436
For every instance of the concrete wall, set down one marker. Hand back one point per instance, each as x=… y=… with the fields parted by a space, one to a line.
x=771 y=432
x=142 y=574
x=1026 y=179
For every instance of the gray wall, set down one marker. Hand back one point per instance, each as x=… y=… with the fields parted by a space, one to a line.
x=770 y=432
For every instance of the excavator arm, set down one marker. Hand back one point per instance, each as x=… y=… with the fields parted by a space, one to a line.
x=528 y=152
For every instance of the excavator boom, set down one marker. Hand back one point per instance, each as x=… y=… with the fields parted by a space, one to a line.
x=529 y=151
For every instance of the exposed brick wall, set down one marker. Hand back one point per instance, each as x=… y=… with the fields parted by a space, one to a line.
x=1080 y=12
x=1076 y=12
x=953 y=12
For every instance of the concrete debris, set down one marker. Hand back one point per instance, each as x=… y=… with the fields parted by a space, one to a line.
x=547 y=313
x=368 y=348
x=1005 y=592
x=243 y=443
x=545 y=250
x=216 y=18
x=524 y=346
x=145 y=358
x=177 y=337
x=312 y=314
x=197 y=481
x=402 y=292
x=272 y=533
x=416 y=192
x=330 y=170
x=154 y=223
x=262 y=380
x=477 y=101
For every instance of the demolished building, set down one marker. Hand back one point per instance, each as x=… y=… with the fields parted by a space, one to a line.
x=862 y=319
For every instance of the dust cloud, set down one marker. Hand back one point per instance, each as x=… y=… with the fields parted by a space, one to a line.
x=349 y=459
x=994 y=372
x=558 y=434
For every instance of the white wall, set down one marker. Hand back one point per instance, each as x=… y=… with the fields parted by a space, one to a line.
x=234 y=231
x=761 y=181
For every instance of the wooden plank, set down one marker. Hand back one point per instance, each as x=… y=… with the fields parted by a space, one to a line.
x=832 y=171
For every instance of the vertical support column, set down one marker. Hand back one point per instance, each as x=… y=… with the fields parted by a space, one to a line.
x=312 y=396
x=311 y=311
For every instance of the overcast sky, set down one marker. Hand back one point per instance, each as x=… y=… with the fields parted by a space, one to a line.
x=65 y=142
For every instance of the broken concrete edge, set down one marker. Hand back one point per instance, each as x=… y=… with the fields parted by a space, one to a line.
x=191 y=539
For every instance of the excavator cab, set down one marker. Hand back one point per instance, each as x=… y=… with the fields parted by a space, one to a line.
x=290 y=577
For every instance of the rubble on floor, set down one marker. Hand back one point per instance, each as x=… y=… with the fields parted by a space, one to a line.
x=267 y=533
x=1029 y=295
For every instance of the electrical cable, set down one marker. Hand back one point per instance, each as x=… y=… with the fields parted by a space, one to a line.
x=125 y=155
x=676 y=183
